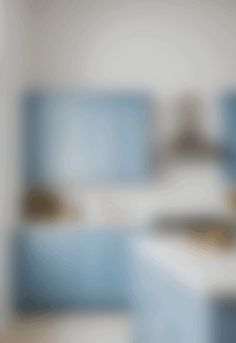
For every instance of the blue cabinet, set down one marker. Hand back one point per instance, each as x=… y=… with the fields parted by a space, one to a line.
x=165 y=309
x=168 y=310
x=88 y=137
x=74 y=268
x=229 y=136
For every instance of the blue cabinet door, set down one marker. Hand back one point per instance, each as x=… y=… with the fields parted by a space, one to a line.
x=88 y=137
x=229 y=136
x=165 y=309
x=75 y=268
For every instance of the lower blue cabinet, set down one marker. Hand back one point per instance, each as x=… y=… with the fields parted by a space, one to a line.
x=70 y=269
x=168 y=310
x=165 y=309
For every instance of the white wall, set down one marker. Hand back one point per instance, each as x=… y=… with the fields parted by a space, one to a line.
x=13 y=52
x=166 y=45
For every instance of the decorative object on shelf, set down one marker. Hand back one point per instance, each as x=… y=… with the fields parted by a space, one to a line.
x=189 y=140
x=212 y=236
x=205 y=230
x=42 y=204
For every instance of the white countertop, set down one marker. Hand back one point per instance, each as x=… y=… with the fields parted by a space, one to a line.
x=210 y=271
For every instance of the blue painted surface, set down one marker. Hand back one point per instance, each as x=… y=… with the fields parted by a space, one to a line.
x=223 y=322
x=89 y=137
x=228 y=106
x=168 y=310
x=72 y=268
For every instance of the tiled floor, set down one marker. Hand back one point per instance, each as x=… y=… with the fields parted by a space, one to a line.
x=69 y=328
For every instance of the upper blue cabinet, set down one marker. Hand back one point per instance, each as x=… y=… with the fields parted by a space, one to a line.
x=88 y=137
x=229 y=117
